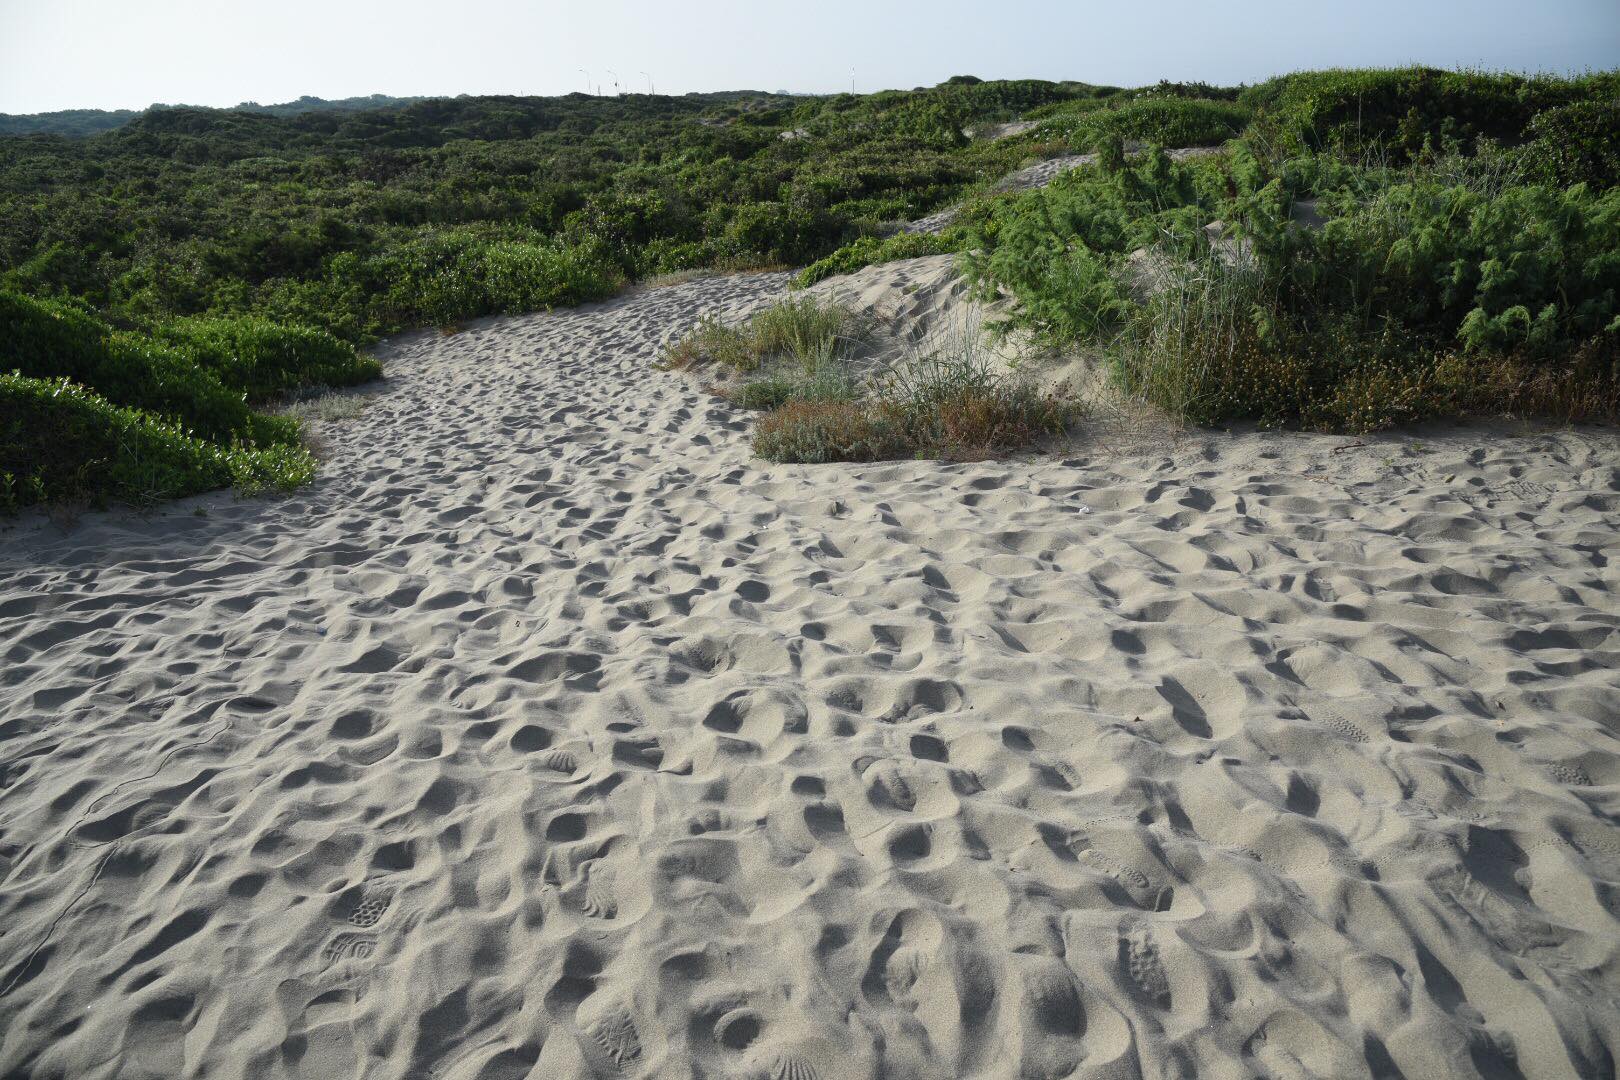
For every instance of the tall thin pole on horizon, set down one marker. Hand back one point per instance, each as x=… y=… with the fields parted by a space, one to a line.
x=615 y=75
x=652 y=91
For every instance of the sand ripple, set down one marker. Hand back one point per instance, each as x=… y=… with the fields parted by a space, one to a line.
x=550 y=735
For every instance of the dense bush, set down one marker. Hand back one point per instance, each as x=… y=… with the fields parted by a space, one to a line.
x=1057 y=249
x=262 y=358
x=59 y=441
x=1576 y=144
x=362 y=223
x=782 y=233
x=1218 y=306
x=52 y=340
x=1399 y=109
x=441 y=278
x=1532 y=269
x=1166 y=120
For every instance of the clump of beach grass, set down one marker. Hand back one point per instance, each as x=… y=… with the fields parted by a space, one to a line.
x=807 y=330
x=945 y=398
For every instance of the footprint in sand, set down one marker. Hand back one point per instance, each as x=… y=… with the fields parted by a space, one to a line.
x=349 y=947
x=370 y=910
x=1143 y=970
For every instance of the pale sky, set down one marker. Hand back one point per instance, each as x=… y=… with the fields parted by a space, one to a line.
x=59 y=54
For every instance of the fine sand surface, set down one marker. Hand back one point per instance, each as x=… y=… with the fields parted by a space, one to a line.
x=550 y=735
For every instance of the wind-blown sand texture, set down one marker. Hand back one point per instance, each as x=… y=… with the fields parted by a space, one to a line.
x=549 y=735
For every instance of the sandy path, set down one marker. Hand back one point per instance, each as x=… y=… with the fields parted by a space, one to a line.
x=549 y=735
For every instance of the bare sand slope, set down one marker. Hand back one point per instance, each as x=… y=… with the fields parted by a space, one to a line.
x=549 y=735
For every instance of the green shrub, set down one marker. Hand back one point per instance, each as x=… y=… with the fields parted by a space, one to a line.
x=263 y=358
x=1057 y=248
x=1398 y=110
x=1533 y=269
x=1333 y=326
x=1162 y=120
x=783 y=233
x=441 y=279
x=59 y=441
x=823 y=381
x=1577 y=143
x=48 y=339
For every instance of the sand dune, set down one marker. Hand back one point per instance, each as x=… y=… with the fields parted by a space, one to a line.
x=549 y=734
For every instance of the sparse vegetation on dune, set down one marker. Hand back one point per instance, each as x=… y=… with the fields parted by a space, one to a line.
x=804 y=331
x=944 y=398
x=983 y=419
x=820 y=380
x=869 y=250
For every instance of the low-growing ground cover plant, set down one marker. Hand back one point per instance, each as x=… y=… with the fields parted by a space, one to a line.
x=60 y=442
x=823 y=379
x=92 y=413
x=53 y=340
x=869 y=250
x=262 y=359
x=974 y=422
